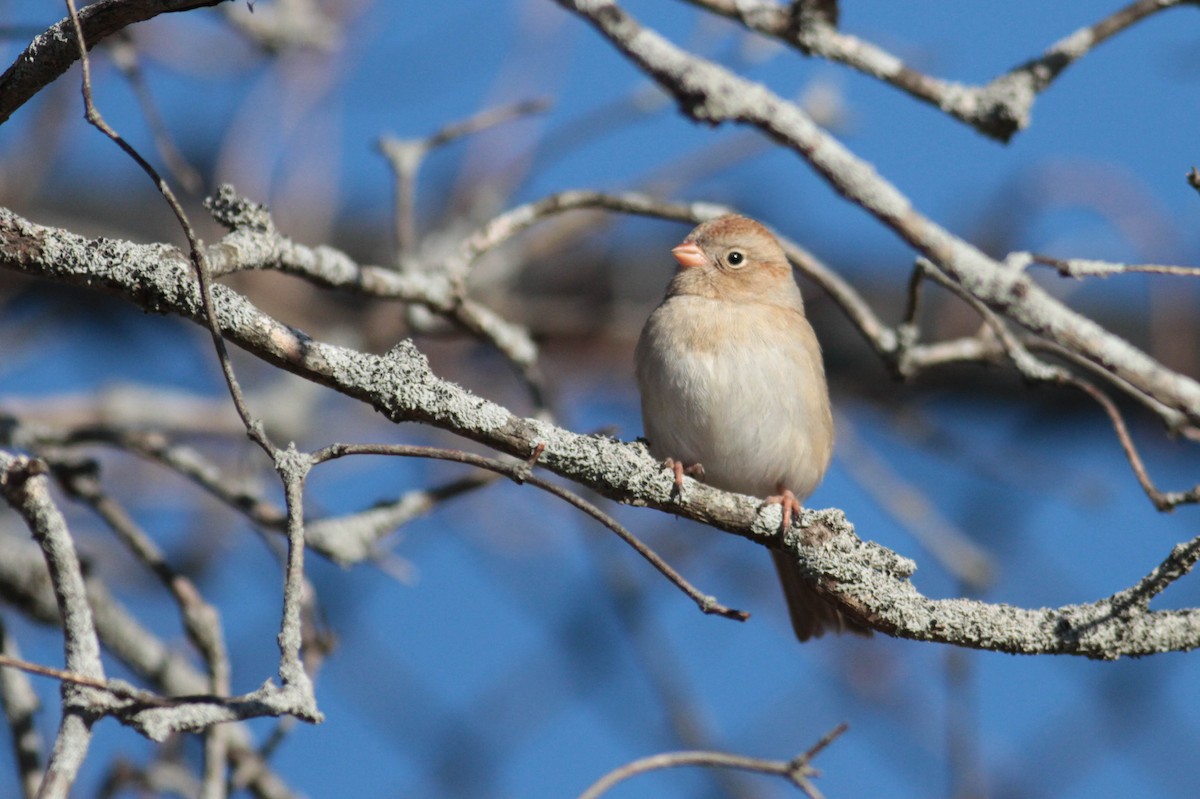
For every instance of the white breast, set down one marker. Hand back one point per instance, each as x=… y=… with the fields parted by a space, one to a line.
x=747 y=401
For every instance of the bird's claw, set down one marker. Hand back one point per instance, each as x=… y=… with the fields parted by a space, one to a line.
x=790 y=505
x=696 y=470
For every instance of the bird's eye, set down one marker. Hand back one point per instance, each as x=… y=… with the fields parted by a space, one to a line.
x=735 y=258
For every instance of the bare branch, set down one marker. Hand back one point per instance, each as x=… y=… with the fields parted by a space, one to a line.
x=293 y=467
x=50 y=54
x=998 y=109
x=1037 y=370
x=1163 y=500
x=1179 y=563
x=796 y=771
x=515 y=220
x=521 y=473
x=869 y=580
x=20 y=708
x=254 y=243
x=63 y=675
x=711 y=94
x=253 y=429
x=346 y=540
x=355 y=537
x=406 y=155
x=201 y=621
x=23 y=484
x=1084 y=267
x=24 y=585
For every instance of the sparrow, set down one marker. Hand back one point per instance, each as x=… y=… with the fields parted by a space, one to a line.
x=733 y=387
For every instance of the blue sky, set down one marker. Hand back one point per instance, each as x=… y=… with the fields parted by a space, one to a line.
x=507 y=668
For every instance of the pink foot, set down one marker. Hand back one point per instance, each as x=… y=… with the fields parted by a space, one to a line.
x=791 y=505
x=695 y=470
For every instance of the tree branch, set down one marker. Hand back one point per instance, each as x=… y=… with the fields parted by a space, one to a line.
x=50 y=54
x=24 y=585
x=796 y=771
x=20 y=710
x=711 y=94
x=999 y=108
x=869 y=580
x=522 y=473
x=23 y=484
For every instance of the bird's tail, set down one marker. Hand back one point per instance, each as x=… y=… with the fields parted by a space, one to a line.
x=812 y=614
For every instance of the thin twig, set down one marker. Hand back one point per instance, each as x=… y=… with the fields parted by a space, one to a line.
x=405 y=157
x=293 y=467
x=201 y=620
x=1175 y=422
x=188 y=462
x=1163 y=500
x=796 y=771
x=1035 y=369
x=521 y=473
x=908 y=331
x=1179 y=563
x=62 y=675
x=124 y=55
x=1085 y=267
x=515 y=220
x=254 y=429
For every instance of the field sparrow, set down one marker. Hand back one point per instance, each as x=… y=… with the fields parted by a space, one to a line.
x=733 y=387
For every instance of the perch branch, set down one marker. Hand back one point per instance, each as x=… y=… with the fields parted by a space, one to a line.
x=869 y=580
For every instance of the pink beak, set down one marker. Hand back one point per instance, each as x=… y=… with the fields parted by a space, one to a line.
x=689 y=255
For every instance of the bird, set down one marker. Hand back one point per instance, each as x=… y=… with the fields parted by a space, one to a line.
x=733 y=387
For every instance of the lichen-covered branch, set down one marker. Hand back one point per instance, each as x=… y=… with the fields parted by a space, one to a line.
x=50 y=54
x=712 y=94
x=999 y=109
x=870 y=580
x=24 y=486
x=24 y=585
